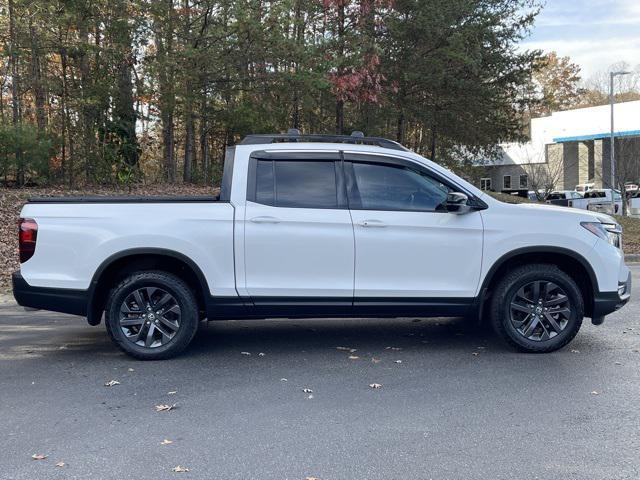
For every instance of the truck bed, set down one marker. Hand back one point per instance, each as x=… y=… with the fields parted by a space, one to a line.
x=128 y=199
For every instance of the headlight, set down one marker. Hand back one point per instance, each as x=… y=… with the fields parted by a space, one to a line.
x=609 y=232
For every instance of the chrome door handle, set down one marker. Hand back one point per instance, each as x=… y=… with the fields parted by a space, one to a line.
x=265 y=220
x=372 y=224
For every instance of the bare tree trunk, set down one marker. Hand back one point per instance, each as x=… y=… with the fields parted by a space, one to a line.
x=87 y=115
x=341 y=40
x=15 y=87
x=36 y=74
x=433 y=144
x=189 y=118
x=205 y=155
x=164 y=39
x=67 y=165
x=189 y=144
x=400 y=130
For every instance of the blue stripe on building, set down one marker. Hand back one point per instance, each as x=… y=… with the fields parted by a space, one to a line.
x=596 y=136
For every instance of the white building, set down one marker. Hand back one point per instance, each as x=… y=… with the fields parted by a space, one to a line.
x=573 y=145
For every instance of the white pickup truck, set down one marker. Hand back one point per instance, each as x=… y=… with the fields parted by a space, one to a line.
x=598 y=200
x=315 y=226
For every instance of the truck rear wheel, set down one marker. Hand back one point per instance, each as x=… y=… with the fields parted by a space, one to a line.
x=537 y=308
x=152 y=315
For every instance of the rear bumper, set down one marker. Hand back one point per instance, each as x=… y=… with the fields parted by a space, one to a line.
x=62 y=300
x=605 y=303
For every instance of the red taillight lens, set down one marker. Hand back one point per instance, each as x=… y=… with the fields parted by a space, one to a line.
x=27 y=235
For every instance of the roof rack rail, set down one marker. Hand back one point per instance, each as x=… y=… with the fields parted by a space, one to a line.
x=294 y=136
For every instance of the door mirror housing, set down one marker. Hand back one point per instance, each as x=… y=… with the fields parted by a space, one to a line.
x=457 y=203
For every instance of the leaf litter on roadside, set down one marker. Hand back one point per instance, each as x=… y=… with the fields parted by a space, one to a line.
x=166 y=442
x=60 y=464
x=180 y=469
x=112 y=383
x=375 y=386
x=39 y=456
x=165 y=407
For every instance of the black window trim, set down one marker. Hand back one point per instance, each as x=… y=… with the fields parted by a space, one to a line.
x=351 y=157
x=309 y=156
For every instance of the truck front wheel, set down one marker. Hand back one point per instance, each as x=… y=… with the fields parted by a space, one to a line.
x=537 y=308
x=151 y=315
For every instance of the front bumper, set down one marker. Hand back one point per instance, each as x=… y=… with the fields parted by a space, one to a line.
x=62 y=300
x=605 y=303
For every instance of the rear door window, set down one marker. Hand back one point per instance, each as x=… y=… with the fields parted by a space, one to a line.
x=297 y=183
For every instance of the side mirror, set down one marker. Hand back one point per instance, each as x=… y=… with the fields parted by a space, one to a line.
x=457 y=203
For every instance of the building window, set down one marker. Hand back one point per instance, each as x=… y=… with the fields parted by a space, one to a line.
x=524 y=181
x=506 y=182
x=485 y=184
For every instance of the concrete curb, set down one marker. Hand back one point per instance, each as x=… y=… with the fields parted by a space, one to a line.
x=635 y=258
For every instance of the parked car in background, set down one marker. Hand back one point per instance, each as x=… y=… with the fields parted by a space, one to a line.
x=630 y=188
x=599 y=200
x=320 y=226
x=585 y=187
x=634 y=204
x=563 y=198
x=536 y=196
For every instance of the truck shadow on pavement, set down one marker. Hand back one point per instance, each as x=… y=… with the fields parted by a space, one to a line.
x=26 y=335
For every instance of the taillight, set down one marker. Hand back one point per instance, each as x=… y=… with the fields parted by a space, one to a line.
x=27 y=235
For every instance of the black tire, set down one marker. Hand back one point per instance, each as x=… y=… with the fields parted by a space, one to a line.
x=155 y=281
x=504 y=316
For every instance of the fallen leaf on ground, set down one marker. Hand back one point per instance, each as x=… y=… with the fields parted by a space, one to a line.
x=60 y=464
x=245 y=353
x=575 y=351
x=165 y=408
x=595 y=393
x=284 y=380
x=310 y=397
x=307 y=390
x=112 y=383
x=166 y=442
x=353 y=357
x=180 y=469
x=375 y=385
x=172 y=392
x=398 y=361
x=130 y=370
x=39 y=456
x=261 y=354
x=617 y=363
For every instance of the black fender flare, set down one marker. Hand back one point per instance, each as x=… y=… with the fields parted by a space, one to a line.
x=94 y=303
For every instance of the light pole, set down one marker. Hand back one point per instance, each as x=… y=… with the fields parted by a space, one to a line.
x=612 y=149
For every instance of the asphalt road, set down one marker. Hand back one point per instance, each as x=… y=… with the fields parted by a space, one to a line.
x=460 y=405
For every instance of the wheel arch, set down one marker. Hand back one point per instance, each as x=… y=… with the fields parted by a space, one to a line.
x=120 y=264
x=572 y=263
